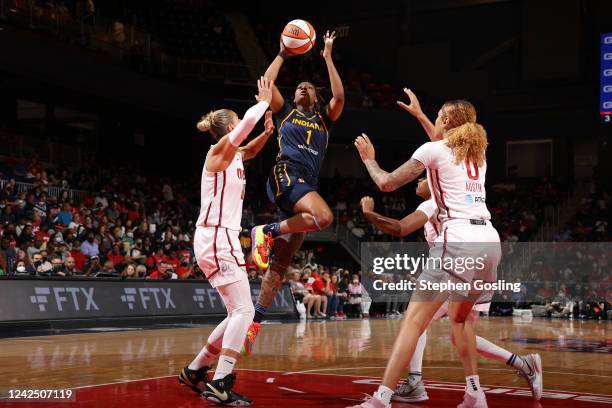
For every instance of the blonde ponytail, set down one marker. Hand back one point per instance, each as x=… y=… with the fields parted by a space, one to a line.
x=205 y=123
x=466 y=138
x=468 y=141
x=216 y=122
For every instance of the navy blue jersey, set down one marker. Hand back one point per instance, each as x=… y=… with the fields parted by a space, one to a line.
x=302 y=137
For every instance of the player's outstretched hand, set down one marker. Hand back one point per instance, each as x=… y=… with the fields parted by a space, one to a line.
x=365 y=147
x=283 y=50
x=415 y=107
x=367 y=204
x=268 y=123
x=264 y=86
x=328 y=40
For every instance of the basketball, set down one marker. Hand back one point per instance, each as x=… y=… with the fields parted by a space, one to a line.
x=298 y=37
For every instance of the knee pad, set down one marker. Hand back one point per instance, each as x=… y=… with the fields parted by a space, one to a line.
x=237 y=327
x=247 y=310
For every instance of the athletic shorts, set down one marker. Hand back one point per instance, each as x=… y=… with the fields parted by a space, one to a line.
x=287 y=183
x=219 y=255
x=458 y=241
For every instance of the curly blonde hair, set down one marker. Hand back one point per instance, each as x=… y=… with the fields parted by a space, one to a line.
x=466 y=138
x=216 y=122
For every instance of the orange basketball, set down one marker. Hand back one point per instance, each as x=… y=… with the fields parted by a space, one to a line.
x=298 y=37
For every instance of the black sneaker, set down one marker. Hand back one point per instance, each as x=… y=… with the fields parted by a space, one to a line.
x=220 y=391
x=194 y=379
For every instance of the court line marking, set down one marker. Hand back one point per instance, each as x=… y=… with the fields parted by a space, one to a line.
x=442 y=382
x=441 y=368
x=159 y=378
x=291 y=390
x=30 y=339
x=339 y=375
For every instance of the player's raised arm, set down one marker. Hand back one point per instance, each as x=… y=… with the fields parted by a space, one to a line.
x=223 y=152
x=254 y=146
x=336 y=104
x=391 y=226
x=414 y=108
x=272 y=73
x=386 y=181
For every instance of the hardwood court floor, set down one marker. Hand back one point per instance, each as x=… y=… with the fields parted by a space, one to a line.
x=301 y=360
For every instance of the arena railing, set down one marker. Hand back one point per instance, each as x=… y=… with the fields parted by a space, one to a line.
x=53 y=191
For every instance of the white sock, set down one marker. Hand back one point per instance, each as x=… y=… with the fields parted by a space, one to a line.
x=384 y=394
x=225 y=366
x=473 y=384
x=416 y=363
x=492 y=351
x=516 y=362
x=204 y=358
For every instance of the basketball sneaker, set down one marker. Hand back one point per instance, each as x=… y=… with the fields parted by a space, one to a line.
x=371 y=402
x=410 y=391
x=249 y=339
x=532 y=372
x=261 y=245
x=474 y=400
x=220 y=392
x=194 y=379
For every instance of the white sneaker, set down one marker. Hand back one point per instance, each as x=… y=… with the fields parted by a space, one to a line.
x=476 y=400
x=410 y=392
x=532 y=372
x=371 y=402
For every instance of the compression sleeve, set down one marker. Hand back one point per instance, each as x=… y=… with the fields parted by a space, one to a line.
x=248 y=122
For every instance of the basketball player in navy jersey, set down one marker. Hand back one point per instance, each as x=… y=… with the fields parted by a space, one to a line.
x=303 y=135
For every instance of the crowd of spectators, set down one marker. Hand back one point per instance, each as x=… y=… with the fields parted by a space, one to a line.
x=327 y=292
x=590 y=221
x=517 y=206
x=130 y=228
x=123 y=226
x=564 y=279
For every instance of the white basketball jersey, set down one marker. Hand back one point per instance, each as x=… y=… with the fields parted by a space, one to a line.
x=222 y=195
x=431 y=227
x=458 y=189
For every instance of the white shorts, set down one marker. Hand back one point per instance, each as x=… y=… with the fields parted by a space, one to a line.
x=460 y=240
x=219 y=255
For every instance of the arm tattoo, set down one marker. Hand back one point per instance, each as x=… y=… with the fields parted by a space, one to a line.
x=405 y=173
x=379 y=176
x=392 y=181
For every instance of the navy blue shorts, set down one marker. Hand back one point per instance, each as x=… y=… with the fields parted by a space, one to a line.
x=286 y=184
